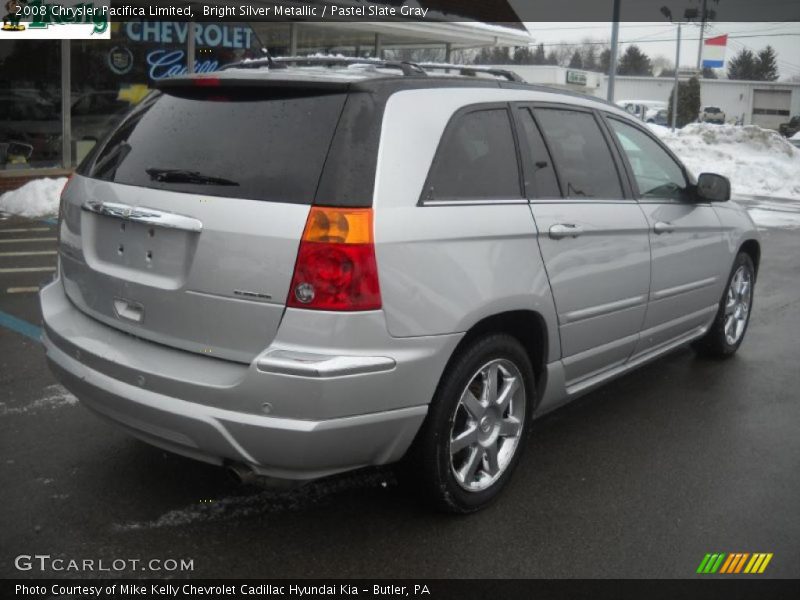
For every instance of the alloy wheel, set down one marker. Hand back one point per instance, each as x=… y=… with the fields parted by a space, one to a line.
x=487 y=425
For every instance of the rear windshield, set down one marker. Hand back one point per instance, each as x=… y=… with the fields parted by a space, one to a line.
x=238 y=143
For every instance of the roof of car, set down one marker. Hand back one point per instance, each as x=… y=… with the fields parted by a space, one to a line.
x=386 y=77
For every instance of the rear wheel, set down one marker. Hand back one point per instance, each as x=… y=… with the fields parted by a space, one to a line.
x=727 y=332
x=476 y=426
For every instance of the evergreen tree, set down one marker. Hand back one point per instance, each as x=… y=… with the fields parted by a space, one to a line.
x=688 y=102
x=742 y=66
x=590 y=58
x=552 y=58
x=576 y=62
x=635 y=62
x=709 y=73
x=539 y=57
x=605 y=61
x=766 y=65
x=523 y=56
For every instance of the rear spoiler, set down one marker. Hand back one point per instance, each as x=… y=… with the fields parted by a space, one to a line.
x=213 y=81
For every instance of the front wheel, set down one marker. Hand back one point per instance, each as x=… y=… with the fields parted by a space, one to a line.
x=727 y=331
x=476 y=425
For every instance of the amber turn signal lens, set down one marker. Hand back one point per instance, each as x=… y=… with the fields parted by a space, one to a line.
x=339 y=225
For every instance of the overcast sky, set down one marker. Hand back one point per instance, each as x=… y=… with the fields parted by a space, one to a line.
x=658 y=39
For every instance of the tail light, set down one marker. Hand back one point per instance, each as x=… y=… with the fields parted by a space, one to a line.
x=336 y=267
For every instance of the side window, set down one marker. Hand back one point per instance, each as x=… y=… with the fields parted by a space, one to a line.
x=476 y=160
x=545 y=183
x=582 y=156
x=657 y=174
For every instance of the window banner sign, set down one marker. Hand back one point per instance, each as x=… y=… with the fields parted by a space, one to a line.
x=55 y=19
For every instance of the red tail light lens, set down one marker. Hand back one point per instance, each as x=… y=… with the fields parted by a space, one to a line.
x=336 y=267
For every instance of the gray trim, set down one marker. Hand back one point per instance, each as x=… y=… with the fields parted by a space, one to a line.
x=681 y=289
x=304 y=364
x=480 y=202
x=601 y=309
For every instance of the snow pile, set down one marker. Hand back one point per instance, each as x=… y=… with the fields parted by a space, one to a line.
x=758 y=161
x=37 y=198
x=796 y=136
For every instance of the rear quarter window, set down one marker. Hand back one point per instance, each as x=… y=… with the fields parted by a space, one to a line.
x=239 y=143
x=476 y=159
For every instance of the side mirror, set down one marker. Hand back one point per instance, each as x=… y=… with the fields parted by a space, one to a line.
x=713 y=187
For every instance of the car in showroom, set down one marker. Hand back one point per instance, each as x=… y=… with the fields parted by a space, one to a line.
x=296 y=268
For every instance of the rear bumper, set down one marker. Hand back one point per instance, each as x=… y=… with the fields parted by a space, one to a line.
x=214 y=410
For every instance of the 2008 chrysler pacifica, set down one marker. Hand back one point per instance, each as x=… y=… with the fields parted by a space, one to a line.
x=301 y=269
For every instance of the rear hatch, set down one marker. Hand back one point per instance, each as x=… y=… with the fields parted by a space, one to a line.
x=183 y=226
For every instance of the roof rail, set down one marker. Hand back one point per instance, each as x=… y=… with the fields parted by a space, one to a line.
x=407 y=68
x=471 y=70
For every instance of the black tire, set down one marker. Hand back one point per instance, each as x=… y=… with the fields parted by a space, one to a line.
x=429 y=462
x=716 y=343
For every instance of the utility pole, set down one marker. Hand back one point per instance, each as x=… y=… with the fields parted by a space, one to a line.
x=703 y=15
x=675 y=89
x=612 y=60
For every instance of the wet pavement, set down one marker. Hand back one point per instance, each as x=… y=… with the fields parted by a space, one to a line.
x=641 y=478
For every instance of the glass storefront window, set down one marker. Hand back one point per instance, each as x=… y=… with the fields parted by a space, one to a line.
x=30 y=109
x=110 y=76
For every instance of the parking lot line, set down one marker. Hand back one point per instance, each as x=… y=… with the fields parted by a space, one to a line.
x=23 y=290
x=42 y=239
x=19 y=326
x=32 y=253
x=27 y=269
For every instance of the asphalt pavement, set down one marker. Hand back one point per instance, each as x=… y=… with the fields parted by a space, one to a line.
x=642 y=478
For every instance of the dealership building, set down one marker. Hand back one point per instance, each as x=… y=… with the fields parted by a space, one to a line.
x=763 y=103
x=58 y=97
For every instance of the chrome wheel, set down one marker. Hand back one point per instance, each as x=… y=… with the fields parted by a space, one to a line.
x=487 y=425
x=737 y=304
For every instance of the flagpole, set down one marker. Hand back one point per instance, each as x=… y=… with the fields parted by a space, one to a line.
x=702 y=31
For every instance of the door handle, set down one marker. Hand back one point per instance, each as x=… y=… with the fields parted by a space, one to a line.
x=562 y=230
x=148 y=216
x=663 y=227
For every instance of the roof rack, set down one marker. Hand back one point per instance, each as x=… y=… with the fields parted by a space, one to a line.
x=471 y=70
x=407 y=68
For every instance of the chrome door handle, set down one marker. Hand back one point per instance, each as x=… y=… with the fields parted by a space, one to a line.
x=140 y=214
x=663 y=227
x=562 y=230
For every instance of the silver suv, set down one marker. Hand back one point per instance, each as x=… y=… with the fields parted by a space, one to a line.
x=296 y=272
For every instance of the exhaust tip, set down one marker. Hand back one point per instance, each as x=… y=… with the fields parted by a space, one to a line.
x=241 y=473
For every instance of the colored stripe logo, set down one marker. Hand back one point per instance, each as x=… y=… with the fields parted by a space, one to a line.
x=734 y=563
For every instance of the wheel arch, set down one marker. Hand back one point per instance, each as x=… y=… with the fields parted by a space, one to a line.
x=528 y=327
x=752 y=248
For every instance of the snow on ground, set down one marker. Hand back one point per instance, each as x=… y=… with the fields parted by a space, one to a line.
x=55 y=396
x=796 y=136
x=37 y=198
x=758 y=161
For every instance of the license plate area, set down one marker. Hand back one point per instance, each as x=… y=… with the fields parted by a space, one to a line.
x=139 y=252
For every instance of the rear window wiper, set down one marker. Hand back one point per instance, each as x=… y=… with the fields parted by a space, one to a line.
x=185 y=176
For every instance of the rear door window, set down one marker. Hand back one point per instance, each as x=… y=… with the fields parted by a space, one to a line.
x=545 y=184
x=476 y=159
x=583 y=159
x=239 y=143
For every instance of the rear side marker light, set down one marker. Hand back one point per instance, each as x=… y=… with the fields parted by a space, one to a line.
x=336 y=268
